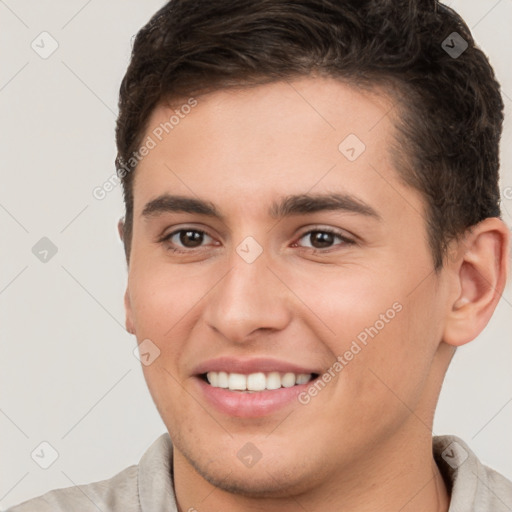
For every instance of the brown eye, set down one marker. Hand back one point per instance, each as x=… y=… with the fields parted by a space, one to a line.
x=186 y=239
x=321 y=240
x=191 y=238
x=324 y=239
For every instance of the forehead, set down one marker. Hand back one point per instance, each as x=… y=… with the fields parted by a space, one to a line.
x=289 y=137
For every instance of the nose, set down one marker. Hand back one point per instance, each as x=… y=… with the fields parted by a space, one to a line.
x=250 y=298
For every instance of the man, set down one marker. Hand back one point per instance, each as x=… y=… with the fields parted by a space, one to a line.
x=312 y=228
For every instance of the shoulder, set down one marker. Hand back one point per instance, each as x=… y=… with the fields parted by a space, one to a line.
x=133 y=489
x=474 y=487
x=114 y=494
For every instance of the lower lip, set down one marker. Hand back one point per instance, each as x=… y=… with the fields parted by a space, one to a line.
x=250 y=405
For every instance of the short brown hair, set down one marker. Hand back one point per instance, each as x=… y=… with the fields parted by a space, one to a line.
x=450 y=110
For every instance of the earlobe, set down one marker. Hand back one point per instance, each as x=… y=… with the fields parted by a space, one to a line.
x=481 y=274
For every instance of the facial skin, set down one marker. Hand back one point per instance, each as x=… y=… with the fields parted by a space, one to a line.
x=364 y=440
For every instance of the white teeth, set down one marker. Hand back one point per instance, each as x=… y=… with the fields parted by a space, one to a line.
x=256 y=381
x=223 y=380
x=213 y=378
x=237 y=381
x=273 y=380
x=302 y=378
x=288 y=380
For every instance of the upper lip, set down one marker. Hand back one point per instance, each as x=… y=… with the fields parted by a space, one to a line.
x=248 y=366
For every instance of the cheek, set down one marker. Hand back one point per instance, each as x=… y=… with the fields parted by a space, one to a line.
x=162 y=297
x=391 y=373
x=381 y=331
x=348 y=300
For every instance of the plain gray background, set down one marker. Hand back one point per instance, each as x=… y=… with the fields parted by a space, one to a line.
x=68 y=375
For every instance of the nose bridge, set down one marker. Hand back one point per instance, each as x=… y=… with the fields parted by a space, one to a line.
x=248 y=297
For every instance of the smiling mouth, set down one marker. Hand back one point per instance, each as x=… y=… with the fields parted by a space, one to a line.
x=256 y=382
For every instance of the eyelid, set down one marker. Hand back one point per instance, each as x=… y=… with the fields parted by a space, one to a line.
x=329 y=229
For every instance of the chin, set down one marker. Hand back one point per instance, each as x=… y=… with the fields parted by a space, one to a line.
x=256 y=482
x=286 y=472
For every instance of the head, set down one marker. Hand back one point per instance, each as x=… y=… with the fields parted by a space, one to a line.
x=271 y=120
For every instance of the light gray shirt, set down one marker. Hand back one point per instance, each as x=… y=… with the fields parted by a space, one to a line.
x=148 y=486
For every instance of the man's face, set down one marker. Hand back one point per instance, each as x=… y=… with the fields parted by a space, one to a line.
x=253 y=292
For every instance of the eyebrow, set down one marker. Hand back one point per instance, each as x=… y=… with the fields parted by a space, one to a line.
x=286 y=207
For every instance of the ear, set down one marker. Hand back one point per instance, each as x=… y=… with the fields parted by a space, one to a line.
x=121 y=231
x=480 y=275
x=130 y=327
x=127 y=303
x=120 y=228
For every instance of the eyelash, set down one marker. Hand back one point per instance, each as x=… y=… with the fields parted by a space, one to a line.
x=174 y=250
